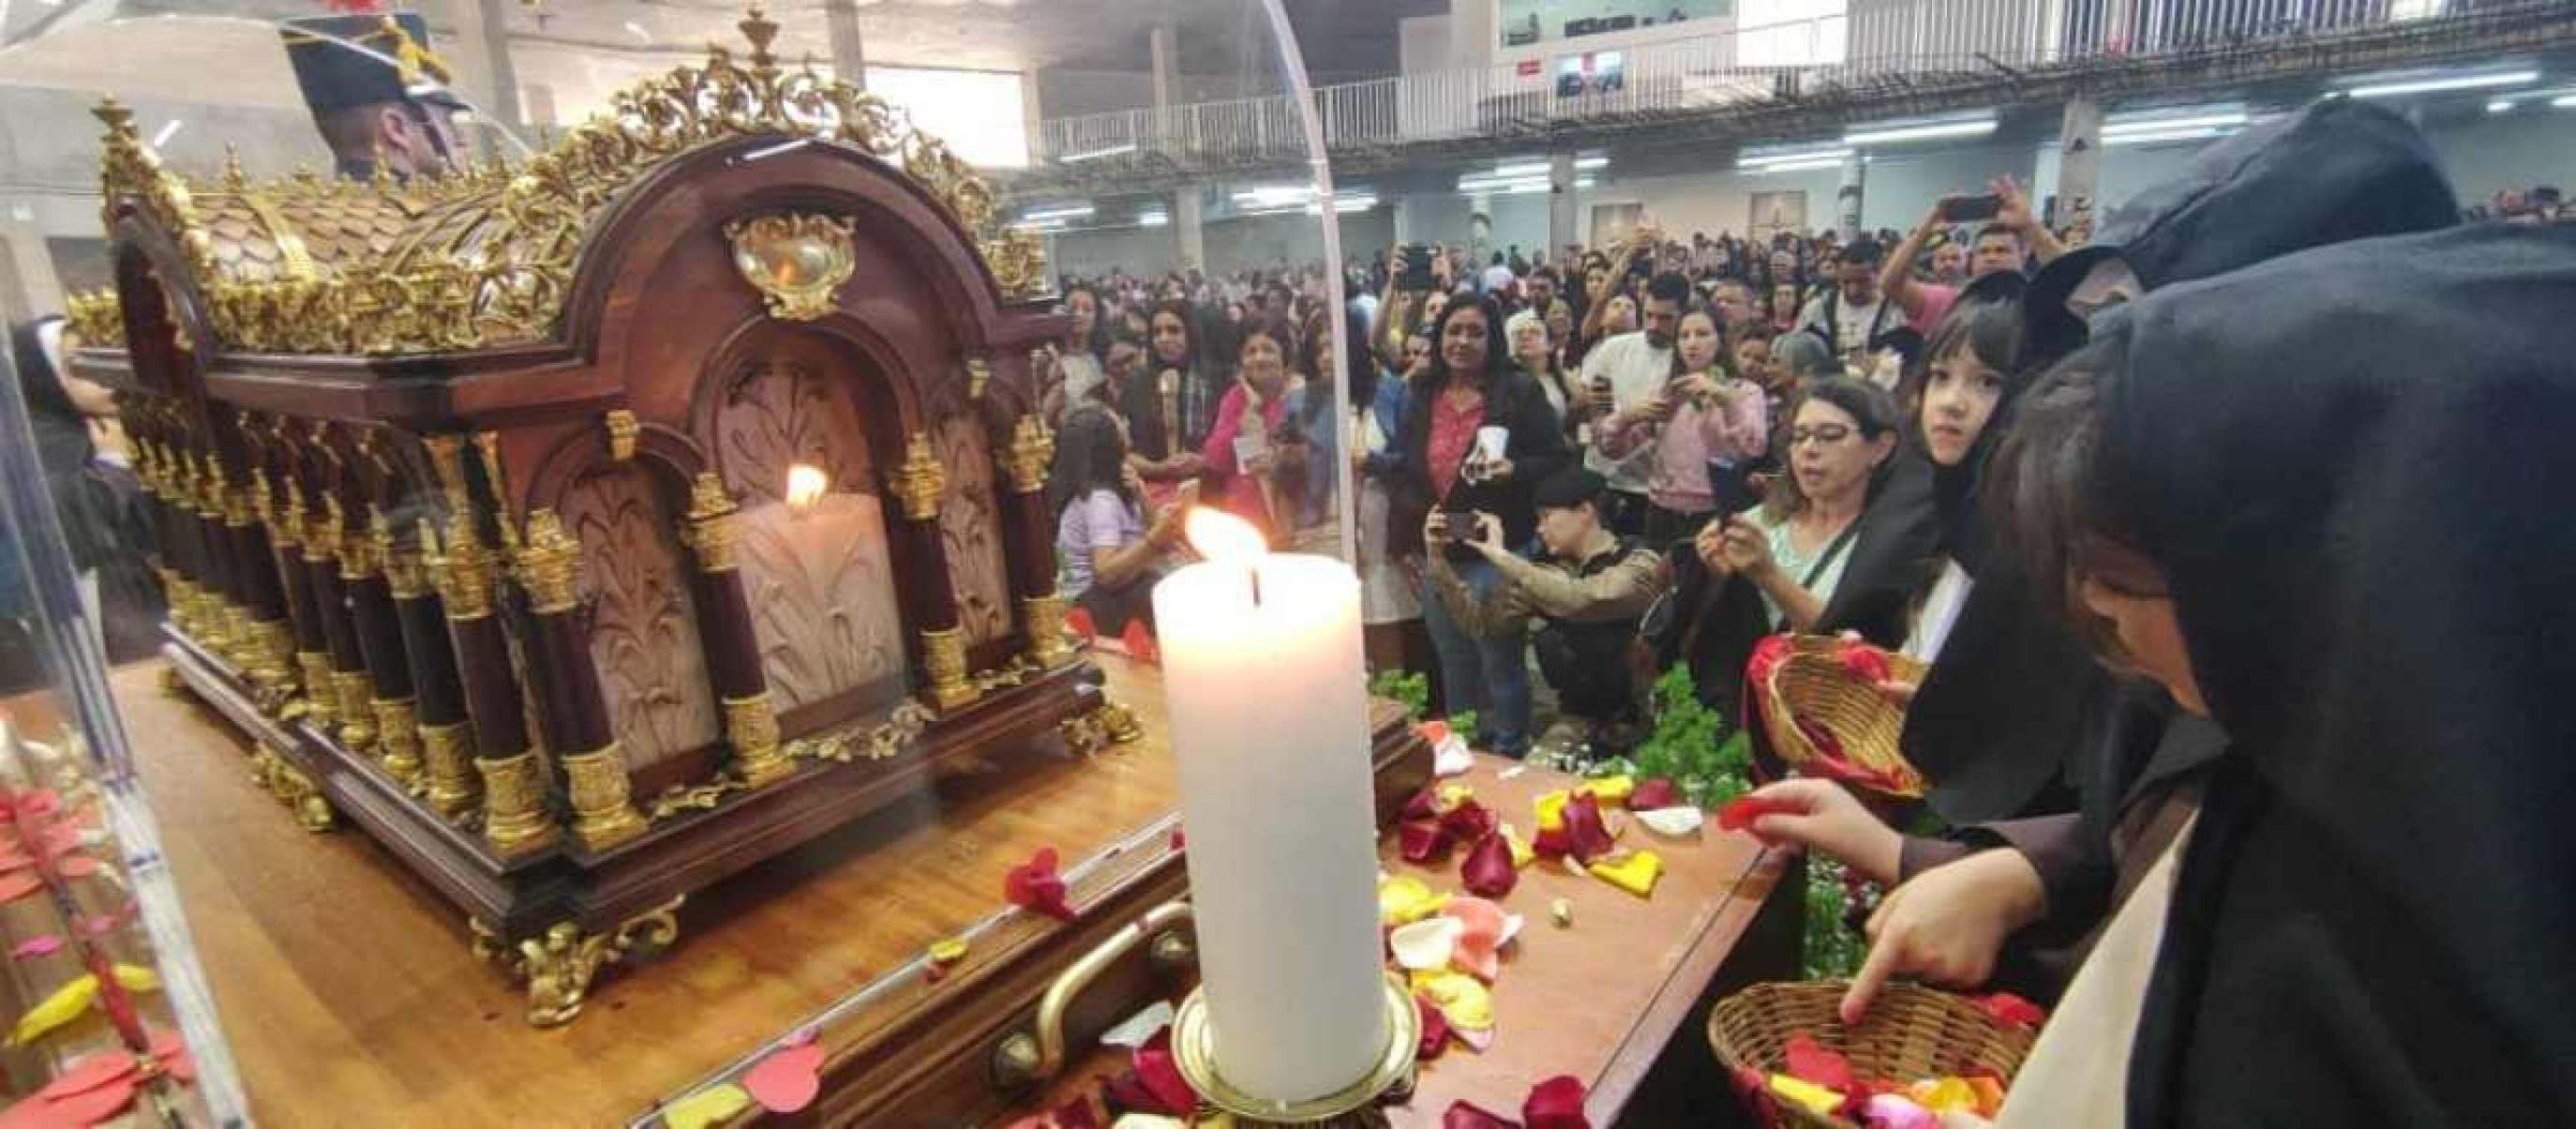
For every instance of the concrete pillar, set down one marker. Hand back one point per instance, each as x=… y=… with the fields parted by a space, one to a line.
x=473 y=36
x=849 y=62
x=1158 y=43
x=504 y=100
x=1188 y=229
x=2079 y=165
x=1562 y=207
x=1847 y=197
x=1032 y=114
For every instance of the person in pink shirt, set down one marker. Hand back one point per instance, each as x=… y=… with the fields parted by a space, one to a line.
x=1703 y=415
x=1242 y=461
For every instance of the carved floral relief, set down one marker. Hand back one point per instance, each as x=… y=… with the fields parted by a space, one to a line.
x=970 y=523
x=644 y=631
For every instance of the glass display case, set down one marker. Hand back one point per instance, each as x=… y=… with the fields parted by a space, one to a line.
x=638 y=611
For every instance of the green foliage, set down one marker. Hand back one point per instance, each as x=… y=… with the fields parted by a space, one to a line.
x=1410 y=687
x=1463 y=723
x=1693 y=744
x=1834 y=950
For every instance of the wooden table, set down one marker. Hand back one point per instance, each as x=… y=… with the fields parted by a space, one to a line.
x=1620 y=991
x=349 y=995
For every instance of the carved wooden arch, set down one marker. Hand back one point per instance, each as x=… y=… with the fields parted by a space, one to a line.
x=669 y=456
x=163 y=306
x=912 y=412
x=751 y=176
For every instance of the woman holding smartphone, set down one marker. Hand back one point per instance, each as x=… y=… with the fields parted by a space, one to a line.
x=1477 y=437
x=1703 y=417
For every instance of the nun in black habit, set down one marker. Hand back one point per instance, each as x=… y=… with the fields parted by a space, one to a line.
x=2322 y=500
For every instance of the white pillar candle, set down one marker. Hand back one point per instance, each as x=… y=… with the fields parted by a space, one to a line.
x=1263 y=677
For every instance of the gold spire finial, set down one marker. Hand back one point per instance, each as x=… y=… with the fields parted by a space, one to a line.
x=760 y=30
x=236 y=181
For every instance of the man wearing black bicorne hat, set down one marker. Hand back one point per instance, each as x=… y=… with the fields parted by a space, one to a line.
x=376 y=91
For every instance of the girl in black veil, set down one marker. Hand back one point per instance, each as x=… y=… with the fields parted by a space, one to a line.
x=2321 y=500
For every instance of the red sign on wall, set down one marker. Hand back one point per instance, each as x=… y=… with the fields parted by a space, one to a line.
x=1529 y=68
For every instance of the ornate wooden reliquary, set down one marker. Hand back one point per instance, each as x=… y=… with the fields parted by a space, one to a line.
x=590 y=530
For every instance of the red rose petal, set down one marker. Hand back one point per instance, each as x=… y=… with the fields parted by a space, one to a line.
x=1652 y=793
x=1077 y=1114
x=1180 y=842
x=1586 y=836
x=1740 y=812
x=1161 y=1075
x=1465 y=1115
x=44 y=945
x=19 y=884
x=1469 y=821
x=787 y=1080
x=1423 y=841
x=1140 y=642
x=1555 y=1104
x=1810 y=1060
x=1435 y=1029
x=1551 y=842
x=1488 y=872
x=2013 y=1011
x=1865 y=663
x=89 y=1074
x=89 y=1107
x=1034 y=886
x=1078 y=622
x=1425 y=804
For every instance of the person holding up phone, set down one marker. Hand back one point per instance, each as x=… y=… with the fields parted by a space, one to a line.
x=1704 y=415
x=2009 y=232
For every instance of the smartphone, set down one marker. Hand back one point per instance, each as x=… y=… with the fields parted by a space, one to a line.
x=1965 y=209
x=1733 y=487
x=1417 y=268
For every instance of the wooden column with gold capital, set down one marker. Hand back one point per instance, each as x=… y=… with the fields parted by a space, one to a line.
x=178 y=568
x=366 y=561
x=303 y=607
x=514 y=775
x=1028 y=540
x=224 y=625
x=446 y=737
x=323 y=534
x=919 y=486
x=725 y=628
x=603 y=811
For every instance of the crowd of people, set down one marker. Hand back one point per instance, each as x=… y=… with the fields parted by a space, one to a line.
x=2222 y=539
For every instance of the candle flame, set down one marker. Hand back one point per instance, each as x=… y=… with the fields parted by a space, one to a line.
x=804 y=486
x=1218 y=535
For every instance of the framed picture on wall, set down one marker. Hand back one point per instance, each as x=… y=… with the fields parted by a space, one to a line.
x=1610 y=222
x=1776 y=212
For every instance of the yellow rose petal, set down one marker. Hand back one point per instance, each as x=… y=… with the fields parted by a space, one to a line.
x=1819 y=1100
x=706 y=1107
x=948 y=951
x=1462 y=998
x=1944 y=1096
x=1404 y=899
x=1452 y=795
x=1551 y=810
x=1610 y=789
x=1634 y=872
x=1521 y=852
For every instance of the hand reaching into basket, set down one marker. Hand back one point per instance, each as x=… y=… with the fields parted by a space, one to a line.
x=1831 y=820
x=1947 y=924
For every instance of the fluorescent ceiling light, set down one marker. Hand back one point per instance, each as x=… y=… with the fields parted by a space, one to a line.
x=2564 y=102
x=2455 y=82
x=1523 y=168
x=1797 y=166
x=1096 y=154
x=1805 y=157
x=2160 y=125
x=2164 y=135
x=1054 y=224
x=637 y=30
x=1153 y=219
x=167 y=132
x=2500 y=105
x=1592 y=162
x=1891 y=135
x=1276 y=194
x=1060 y=212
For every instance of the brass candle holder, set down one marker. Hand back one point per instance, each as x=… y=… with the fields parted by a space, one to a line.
x=1355 y=1106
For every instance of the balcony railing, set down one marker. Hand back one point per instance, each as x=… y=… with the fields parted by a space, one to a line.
x=1873 y=39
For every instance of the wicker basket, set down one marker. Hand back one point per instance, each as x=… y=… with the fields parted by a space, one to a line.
x=1912 y=1032
x=1812 y=683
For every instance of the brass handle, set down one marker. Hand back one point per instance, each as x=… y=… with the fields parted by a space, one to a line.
x=1038 y=1053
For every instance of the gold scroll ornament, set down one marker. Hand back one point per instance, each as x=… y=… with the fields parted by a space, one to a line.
x=796 y=260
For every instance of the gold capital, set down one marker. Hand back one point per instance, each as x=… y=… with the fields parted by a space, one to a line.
x=603 y=812
x=943 y=653
x=550 y=564
x=514 y=804
x=751 y=724
x=919 y=482
x=1049 y=645
x=710 y=532
x=447 y=751
x=1031 y=449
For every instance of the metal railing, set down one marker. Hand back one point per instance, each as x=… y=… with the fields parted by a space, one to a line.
x=1872 y=39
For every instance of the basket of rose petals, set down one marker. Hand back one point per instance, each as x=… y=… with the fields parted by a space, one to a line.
x=1921 y=1055
x=1825 y=715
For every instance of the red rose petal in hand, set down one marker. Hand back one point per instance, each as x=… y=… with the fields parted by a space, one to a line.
x=1423 y=842
x=89 y=1074
x=1586 y=836
x=1467 y=1115
x=1035 y=886
x=2012 y=1011
x=1555 y=1104
x=1489 y=872
x=1740 y=812
x=1468 y=822
x=1653 y=793
x=787 y=1081
x=1435 y=1029
x=173 y=1053
x=1811 y=1061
